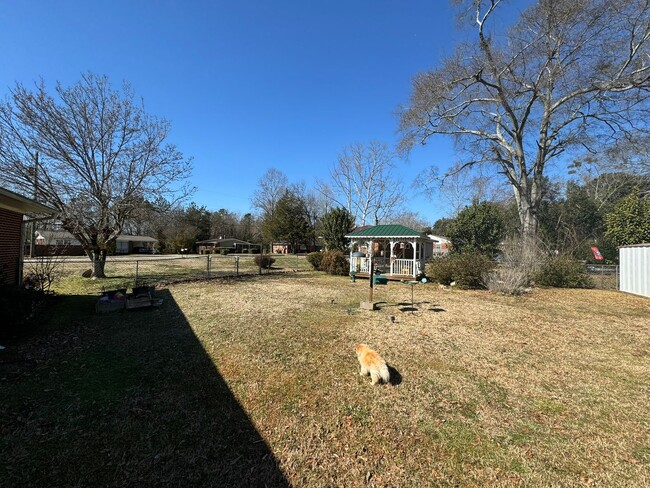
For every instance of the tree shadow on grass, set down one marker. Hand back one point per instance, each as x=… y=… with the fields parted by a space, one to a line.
x=128 y=398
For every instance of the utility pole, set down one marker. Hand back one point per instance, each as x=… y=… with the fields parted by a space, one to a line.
x=32 y=226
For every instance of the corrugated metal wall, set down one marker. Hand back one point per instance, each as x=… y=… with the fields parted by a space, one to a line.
x=635 y=269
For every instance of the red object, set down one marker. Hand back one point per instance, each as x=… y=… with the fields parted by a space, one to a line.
x=597 y=255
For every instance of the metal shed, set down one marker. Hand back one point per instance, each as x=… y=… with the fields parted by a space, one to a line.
x=635 y=269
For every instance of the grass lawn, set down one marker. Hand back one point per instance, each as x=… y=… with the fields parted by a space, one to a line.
x=253 y=382
x=122 y=271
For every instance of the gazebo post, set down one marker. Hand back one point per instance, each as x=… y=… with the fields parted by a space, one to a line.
x=371 y=289
x=415 y=253
x=370 y=304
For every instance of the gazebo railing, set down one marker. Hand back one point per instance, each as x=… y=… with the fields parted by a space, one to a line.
x=360 y=265
x=404 y=267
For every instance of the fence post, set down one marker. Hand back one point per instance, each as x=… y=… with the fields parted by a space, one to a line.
x=208 y=263
x=236 y=265
x=136 y=272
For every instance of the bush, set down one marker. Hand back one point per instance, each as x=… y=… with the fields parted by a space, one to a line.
x=315 y=258
x=265 y=260
x=224 y=251
x=42 y=272
x=468 y=270
x=563 y=272
x=335 y=263
x=518 y=266
x=440 y=269
x=18 y=310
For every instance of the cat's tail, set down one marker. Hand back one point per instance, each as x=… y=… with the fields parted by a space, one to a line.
x=384 y=373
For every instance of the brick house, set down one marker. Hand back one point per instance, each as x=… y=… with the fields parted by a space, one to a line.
x=13 y=209
x=63 y=243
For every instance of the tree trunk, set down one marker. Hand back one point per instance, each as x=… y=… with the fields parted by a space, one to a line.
x=529 y=223
x=98 y=259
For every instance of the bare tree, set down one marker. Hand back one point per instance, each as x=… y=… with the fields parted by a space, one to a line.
x=315 y=206
x=270 y=188
x=460 y=188
x=362 y=182
x=612 y=173
x=568 y=74
x=93 y=153
x=412 y=220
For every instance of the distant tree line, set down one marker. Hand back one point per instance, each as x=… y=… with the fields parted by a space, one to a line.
x=606 y=211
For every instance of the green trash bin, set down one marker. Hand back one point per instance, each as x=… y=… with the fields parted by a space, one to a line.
x=380 y=280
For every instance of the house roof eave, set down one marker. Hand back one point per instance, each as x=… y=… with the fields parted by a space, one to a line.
x=18 y=203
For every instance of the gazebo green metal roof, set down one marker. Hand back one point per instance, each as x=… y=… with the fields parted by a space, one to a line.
x=384 y=231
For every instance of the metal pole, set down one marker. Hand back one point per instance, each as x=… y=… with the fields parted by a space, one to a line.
x=32 y=226
x=237 y=265
x=372 y=265
x=136 y=272
x=208 y=264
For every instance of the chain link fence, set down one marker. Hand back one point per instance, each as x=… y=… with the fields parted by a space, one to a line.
x=72 y=274
x=605 y=276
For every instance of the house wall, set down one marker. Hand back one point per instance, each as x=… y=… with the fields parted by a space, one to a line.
x=122 y=247
x=635 y=269
x=10 y=227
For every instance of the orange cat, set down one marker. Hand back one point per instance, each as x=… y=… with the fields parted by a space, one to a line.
x=372 y=363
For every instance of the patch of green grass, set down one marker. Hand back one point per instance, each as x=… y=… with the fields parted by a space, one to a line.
x=357 y=413
x=551 y=407
x=642 y=454
x=492 y=391
x=100 y=376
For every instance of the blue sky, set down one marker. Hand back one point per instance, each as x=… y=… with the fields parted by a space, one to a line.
x=247 y=85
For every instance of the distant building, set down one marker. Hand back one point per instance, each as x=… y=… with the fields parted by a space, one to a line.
x=64 y=243
x=441 y=245
x=231 y=245
x=284 y=247
x=135 y=245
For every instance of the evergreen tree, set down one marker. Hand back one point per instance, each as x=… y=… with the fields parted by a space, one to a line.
x=629 y=222
x=288 y=222
x=478 y=228
x=334 y=225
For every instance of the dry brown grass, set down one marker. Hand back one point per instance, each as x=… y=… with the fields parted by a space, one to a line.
x=550 y=388
x=547 y=389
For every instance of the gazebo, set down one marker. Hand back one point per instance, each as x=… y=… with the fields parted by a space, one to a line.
x=393 y=250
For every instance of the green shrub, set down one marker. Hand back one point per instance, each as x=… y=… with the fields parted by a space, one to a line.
x=224 y=251
x=440 y=270
x=468 y=270
x=315 y=258
x=265 y=260
x=563 y=272
x=335 y=263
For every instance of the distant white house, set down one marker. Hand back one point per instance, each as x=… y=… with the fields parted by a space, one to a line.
x=441 y=245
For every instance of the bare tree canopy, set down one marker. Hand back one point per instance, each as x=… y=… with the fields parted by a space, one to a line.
x=568 y=74
x=270 y=188
x=93 y=153
x=362 y=182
